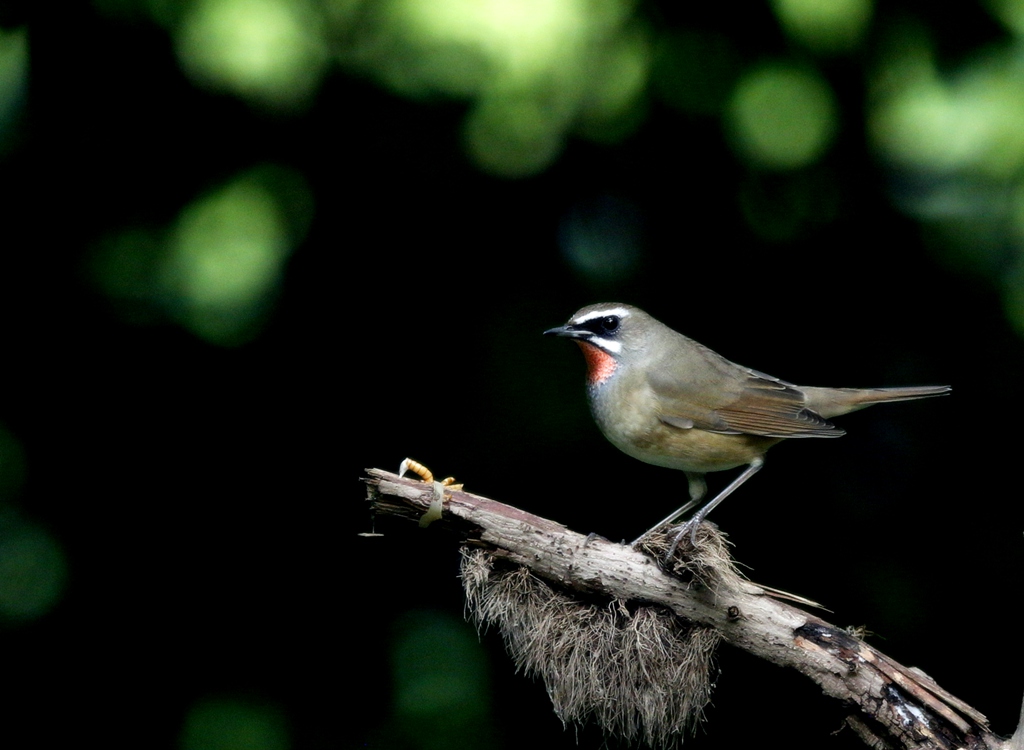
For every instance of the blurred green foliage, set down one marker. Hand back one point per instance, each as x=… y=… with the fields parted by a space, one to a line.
x=825 y=26
x=782 y=117
x=217 y=267
x=14 y=69
x=535 y=73
x=539 y=72
x=441 y=687
x=234 y=724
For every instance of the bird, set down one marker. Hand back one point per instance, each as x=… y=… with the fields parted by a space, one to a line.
x=667 y=400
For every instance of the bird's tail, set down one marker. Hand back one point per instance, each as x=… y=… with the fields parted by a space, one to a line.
x=833 y=402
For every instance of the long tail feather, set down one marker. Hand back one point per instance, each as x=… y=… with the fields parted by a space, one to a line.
x=832 y=402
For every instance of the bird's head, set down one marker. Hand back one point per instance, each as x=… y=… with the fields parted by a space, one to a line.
x=609 y=334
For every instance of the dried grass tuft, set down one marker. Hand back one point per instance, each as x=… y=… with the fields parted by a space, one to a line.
x=638 y=671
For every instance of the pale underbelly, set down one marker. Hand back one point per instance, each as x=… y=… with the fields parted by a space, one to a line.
x=692 y=450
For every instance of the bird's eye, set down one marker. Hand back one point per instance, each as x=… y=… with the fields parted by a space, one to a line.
x=610 y=323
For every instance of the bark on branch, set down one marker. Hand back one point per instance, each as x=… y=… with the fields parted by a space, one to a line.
x=651 y=616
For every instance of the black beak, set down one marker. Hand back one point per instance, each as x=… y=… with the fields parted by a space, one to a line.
x=566 y=331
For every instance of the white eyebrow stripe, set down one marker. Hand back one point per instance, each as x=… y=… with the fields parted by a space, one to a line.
x=613 y=347
x=619 y=311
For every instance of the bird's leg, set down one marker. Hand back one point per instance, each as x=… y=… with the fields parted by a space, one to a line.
x=697 y=489
x=701 y=514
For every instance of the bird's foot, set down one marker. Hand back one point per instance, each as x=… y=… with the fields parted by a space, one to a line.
x=437 y=503
x=652 y=541
x=690 y=527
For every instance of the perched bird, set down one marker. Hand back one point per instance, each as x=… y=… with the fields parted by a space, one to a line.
x=667 y=400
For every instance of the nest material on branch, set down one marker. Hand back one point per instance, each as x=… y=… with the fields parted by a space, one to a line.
x=636 y=670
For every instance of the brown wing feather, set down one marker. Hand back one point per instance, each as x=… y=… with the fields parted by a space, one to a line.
x=720 y=396
x=773 y=408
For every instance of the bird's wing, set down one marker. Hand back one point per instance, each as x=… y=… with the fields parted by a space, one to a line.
x=774 y=408
x=717 y=395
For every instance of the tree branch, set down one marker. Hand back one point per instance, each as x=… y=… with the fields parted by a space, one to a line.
x=891 y=705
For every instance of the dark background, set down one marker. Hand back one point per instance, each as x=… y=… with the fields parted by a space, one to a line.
x=205 y=496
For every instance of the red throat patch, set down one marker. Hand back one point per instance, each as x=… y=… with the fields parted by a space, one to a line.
x=600 y=364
